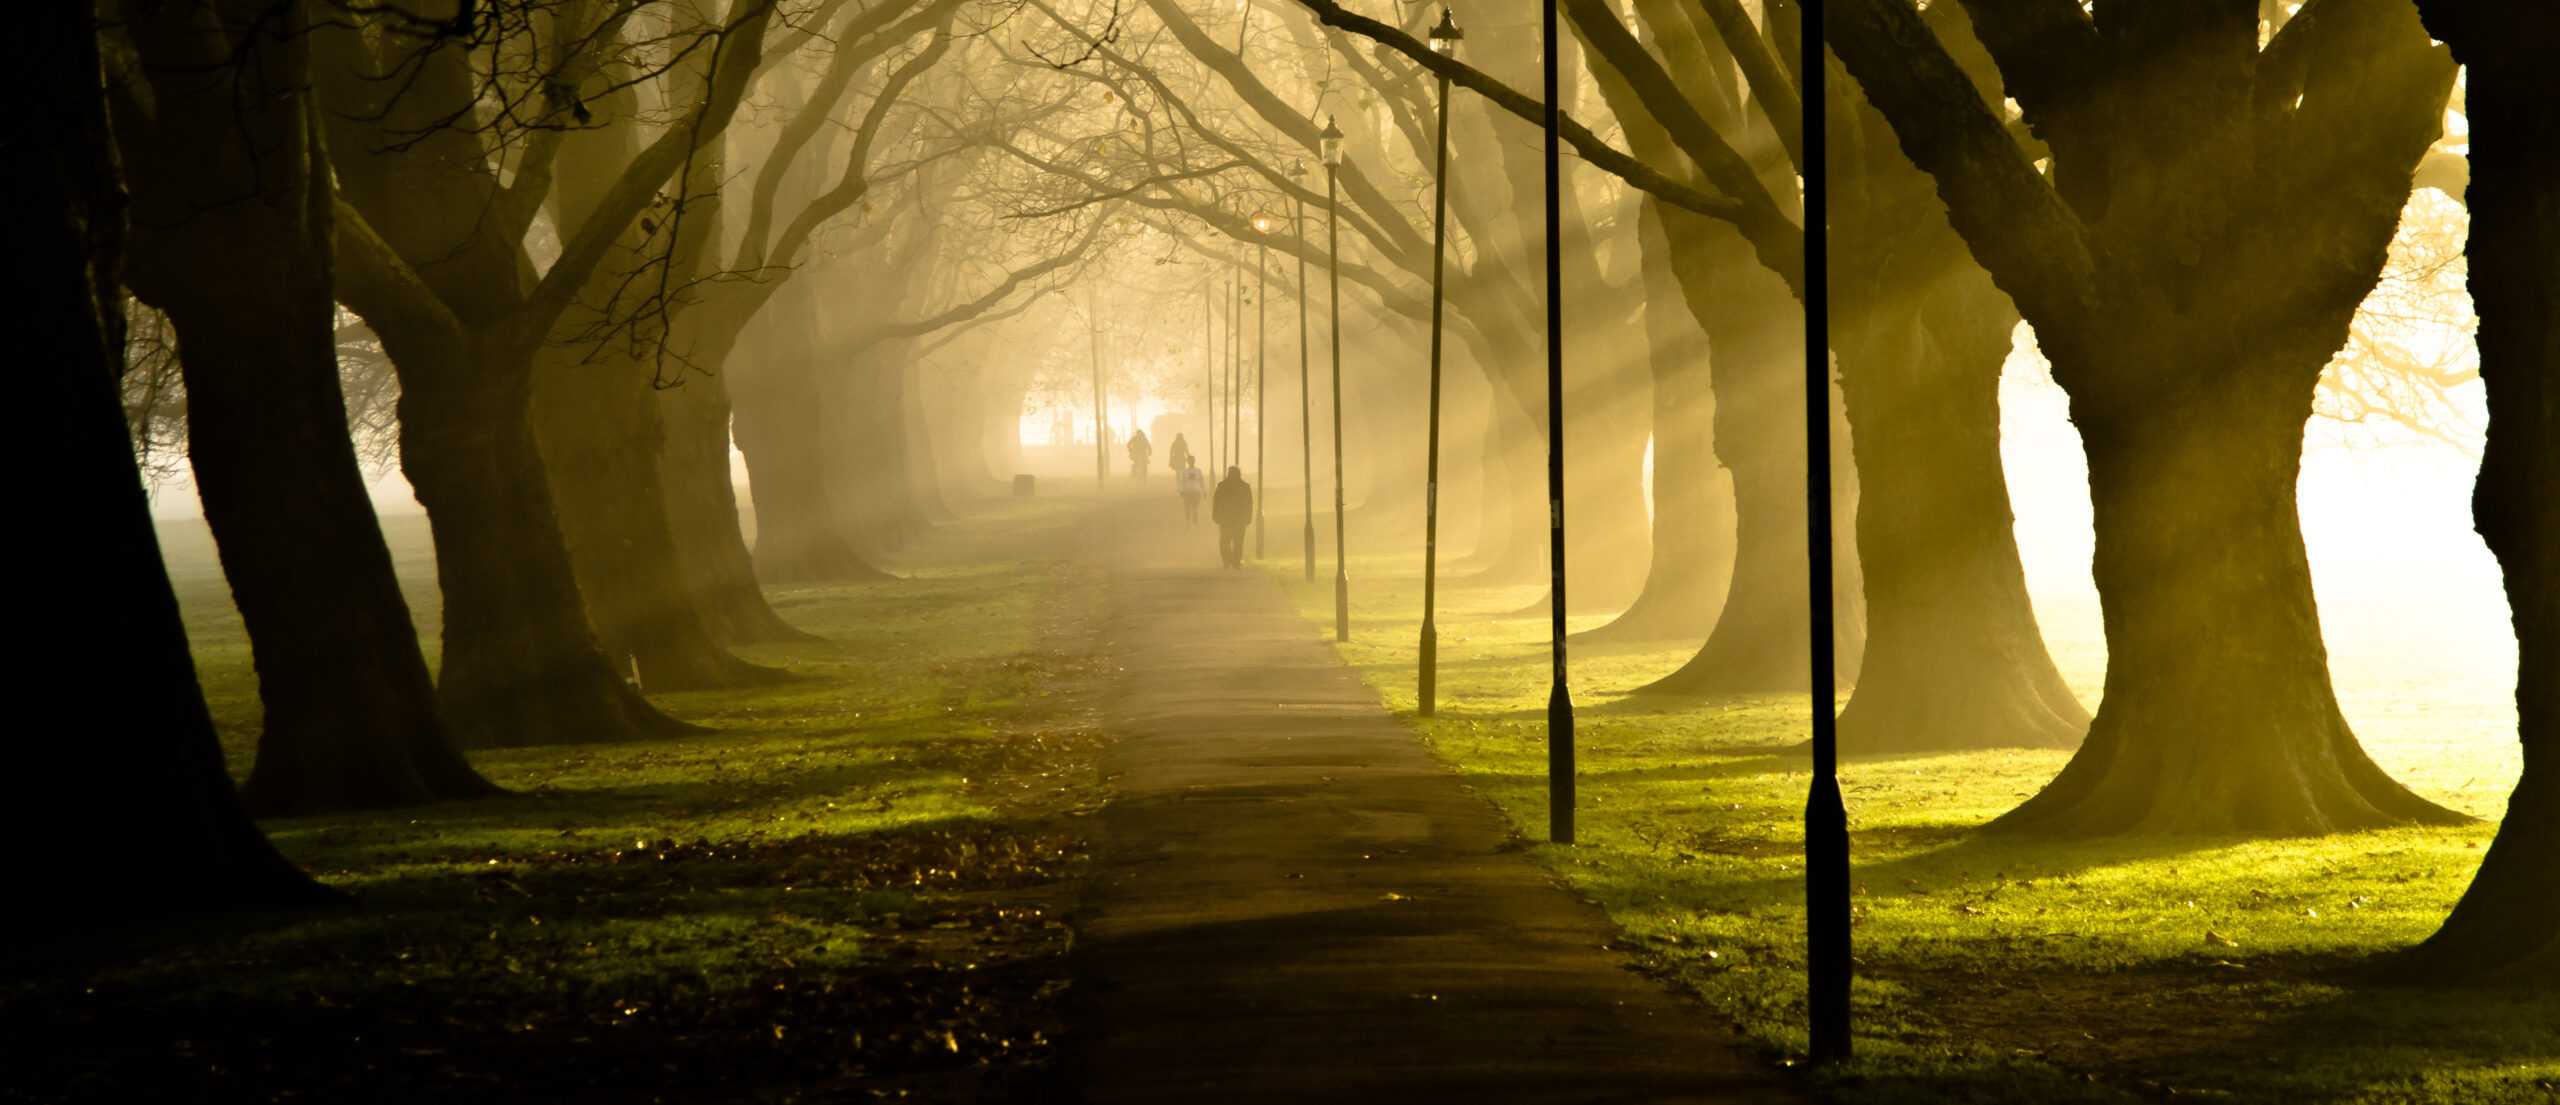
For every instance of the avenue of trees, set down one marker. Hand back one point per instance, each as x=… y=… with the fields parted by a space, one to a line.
x=556 y=258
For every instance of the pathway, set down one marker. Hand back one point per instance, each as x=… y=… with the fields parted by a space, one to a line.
x=1294 y=902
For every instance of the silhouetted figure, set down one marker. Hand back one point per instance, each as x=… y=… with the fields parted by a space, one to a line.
x=1192 y=482
x=1178 y=457
x=1232 y=510
x=1139 y=450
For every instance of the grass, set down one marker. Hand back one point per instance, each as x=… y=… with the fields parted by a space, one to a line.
x=851 y=881
x=1989 y=969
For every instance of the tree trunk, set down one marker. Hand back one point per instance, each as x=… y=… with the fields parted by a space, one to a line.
x=350 y=710
x=702 y=516
x=779 y=428
x=2218 y=715
x=234 y=247
x=1760 y=643
x=160 y=831
x=2195 y=256
x=1954 y=658
x=863 y=434
x=447 y=297
x=598 y=428
x=522 y=665
x=2507 y=926
x=1692 y=563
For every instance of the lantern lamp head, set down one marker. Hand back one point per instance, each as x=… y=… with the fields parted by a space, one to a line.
x=1446 y=36
x=1329 y=143
x=1262 y=224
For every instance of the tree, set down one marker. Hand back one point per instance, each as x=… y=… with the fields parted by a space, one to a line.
x=232 y=242
x=2215 y=212
x=2507 y=926
x=1954 y=658
x=161 y=831
x=596 y=416
x=431 y=246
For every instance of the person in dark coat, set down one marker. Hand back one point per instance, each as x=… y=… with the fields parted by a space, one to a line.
x=1139 y=450
x=1232 y=510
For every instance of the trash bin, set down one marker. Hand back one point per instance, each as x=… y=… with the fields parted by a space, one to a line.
x=1022 y=485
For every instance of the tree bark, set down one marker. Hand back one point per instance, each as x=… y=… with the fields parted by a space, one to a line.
x=234 y=246
x=2231 y=729
x=1760 y=643
x=522 y=665
x=702 y=515
x=160 y=830
x=2221 y=211
x=1692 y=562
x=598 y=428
x=433 y=256
x=595 y=414
x=780 y=429
x=1954 y=658
x=2507 y=925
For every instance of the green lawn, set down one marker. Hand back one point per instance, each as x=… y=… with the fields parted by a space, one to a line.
x=852 y=879
x=1989 y=969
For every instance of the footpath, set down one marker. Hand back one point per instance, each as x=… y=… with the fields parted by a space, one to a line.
x=1294 y=902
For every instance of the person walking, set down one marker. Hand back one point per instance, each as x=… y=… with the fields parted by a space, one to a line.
x=1192 y=482
x=1178 y=457
x=1139 y=450
x=1232 y=510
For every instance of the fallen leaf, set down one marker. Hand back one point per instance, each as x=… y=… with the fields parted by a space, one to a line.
x=2212 y=937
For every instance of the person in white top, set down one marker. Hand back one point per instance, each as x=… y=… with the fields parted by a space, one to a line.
x=1193 y=483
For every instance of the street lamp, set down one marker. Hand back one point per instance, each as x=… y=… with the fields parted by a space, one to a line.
x=1444 y=42
x=1101 y=415
x=1559 y=699
x=1828 y=963
x=1262 y=226
x=1329 y=147
x=1306 y=432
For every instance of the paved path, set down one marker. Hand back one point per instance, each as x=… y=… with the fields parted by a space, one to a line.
x=1295 y=903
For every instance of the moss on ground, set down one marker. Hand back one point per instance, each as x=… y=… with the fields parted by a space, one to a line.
x=850 y=881
x=1989 y=969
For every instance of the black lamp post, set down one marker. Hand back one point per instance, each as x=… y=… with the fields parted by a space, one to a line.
x=1444 y=42
x=1235 y=373
x=1826 y=818
x=1329 y=146
x=1262 y=224
x=1101 y=414
x=1559 y=700
x=1208 y=367
x=1306 y=431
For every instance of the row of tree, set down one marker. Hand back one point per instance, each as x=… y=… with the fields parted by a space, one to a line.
x=546 y=213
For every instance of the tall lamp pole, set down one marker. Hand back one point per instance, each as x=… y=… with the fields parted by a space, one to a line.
x=1444 y=41
x=1826 y=818
x=1262 y=225
x=1235 y=374
x=1306 y=431
x=1329 y=146
x=1101 y=412
x=1559 y=699
x=1208 y=366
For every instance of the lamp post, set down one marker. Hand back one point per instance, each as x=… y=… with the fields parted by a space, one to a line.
x=1444 y=42
x=1828 y=964
x=1559 y=699
x=1262 y=224
x=1235 y=373
x=1101 y=413
x=1306 y=431
x=1329 y=146
x=1208 y=366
